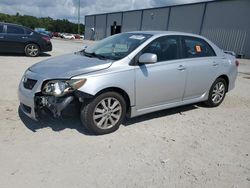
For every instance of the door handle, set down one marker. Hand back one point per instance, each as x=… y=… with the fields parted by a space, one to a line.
x=1 y=37
x=181 y=68
x=215 y=64
x=24 y=37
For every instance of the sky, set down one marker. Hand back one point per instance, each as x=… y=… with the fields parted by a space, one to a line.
x=68 y=9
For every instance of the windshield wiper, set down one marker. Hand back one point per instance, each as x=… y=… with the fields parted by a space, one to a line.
x=99 y=56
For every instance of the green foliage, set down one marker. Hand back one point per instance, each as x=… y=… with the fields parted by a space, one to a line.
x=47 y=23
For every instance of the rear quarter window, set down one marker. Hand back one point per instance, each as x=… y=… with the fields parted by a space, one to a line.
x=196 y=47
x=28 y=32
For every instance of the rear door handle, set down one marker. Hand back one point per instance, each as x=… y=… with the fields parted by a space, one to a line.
x=181 y=68
x=215 y=64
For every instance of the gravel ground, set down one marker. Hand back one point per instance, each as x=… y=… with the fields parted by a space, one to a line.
x=190 y=146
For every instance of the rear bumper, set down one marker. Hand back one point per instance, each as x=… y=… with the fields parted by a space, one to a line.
x=232 y=79
x=47 y=47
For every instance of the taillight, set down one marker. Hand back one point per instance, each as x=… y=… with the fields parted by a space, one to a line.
x=46 y=38
x=237 y=63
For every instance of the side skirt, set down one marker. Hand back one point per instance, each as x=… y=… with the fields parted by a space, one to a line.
x=137 y=112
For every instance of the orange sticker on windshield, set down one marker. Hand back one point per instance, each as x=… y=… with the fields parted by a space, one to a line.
x=198 y=48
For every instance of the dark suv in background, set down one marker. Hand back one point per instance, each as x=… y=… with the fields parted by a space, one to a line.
x=19 y=39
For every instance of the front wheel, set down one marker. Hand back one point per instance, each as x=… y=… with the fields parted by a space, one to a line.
x=32 y=50
x=217 y=93
x=104 y=114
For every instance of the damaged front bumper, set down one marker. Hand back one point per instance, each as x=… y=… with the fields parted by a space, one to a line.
x=53 y=104
x=34 y=104
x=58 y=106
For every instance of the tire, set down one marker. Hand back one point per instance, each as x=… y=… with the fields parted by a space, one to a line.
x=104 y=113
x=217 y=93
x=32 y=50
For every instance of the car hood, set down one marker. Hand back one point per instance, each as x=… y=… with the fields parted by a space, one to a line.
x=67 y=66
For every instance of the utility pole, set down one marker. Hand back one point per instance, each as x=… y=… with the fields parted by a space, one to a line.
x=79 y=7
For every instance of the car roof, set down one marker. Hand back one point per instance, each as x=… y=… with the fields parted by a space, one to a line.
x=160 y=33
x=4 y=23
x=156 y=34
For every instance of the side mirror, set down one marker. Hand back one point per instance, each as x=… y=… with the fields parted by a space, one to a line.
x=148 y=58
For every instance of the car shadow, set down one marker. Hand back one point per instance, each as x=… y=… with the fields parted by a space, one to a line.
x=55 y=124
x=43 y=54
x=75 y=123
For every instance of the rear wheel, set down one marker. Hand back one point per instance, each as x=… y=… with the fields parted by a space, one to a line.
x=104 y=114
x=32 y=50
x=217 y=93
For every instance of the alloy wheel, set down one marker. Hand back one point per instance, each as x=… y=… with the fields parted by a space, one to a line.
x=32 y=50
x=218 y=92
x=107 y=113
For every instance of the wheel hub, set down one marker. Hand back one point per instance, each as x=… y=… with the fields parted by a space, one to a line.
x=218 y=92
x=107 y=113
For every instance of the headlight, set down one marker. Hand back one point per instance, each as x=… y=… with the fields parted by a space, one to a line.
x=60 y=88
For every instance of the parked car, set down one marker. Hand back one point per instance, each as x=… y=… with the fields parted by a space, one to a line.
x=129 y=74
x=56 y=34
x=19 y=39
x=77 y=36
x=44 y=32
x=61 y=35
x=68 y=36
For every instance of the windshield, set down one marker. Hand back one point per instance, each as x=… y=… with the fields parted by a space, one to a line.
x=117 y=46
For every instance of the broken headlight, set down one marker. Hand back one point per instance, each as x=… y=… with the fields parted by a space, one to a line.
x=59 y=88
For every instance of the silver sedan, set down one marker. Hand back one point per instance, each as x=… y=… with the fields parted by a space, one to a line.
x=129 y=74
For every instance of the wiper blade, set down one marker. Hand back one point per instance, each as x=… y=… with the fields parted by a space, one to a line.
x=99 y=56
x=87 y=54
x=81 y=52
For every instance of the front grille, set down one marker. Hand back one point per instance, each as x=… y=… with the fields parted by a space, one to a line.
x=29 y=83
x=26 y=108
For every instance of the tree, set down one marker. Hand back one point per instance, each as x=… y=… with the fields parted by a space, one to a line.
x=47 y=22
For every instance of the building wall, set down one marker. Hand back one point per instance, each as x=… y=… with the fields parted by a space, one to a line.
x=155 y=19
x=131 y=21
x=186 y=18
x=100 y=26
x=116 y=17
x=89 y=23
x=225 y=22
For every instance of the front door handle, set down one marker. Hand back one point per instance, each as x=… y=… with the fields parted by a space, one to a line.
x=24 y=37
x=1 y=37
x=181 y=68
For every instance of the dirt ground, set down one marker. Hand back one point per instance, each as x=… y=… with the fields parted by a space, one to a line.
x=191 y=146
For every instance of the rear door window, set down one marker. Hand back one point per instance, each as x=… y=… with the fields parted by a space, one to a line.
x=15 y=30
x=195 y=47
